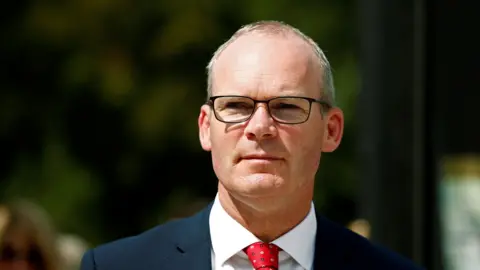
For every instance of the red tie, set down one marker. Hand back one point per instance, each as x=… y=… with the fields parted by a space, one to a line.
x=263 y=256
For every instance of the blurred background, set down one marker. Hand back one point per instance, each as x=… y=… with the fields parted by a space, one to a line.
x=98 y=121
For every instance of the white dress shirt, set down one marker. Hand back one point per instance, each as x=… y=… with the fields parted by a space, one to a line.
x=229 y=238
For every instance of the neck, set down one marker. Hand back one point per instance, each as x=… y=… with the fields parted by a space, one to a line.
x=266 y=218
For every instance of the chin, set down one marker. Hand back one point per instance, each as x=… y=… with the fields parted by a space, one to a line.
x=259 y=184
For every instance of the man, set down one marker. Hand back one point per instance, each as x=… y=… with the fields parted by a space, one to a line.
x=270 y=114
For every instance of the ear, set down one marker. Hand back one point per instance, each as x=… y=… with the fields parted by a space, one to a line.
x=204 y=127
x=334 y=122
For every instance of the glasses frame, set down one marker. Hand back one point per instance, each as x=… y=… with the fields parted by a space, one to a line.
x=324 y=103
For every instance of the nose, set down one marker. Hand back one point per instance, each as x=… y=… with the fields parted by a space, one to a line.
x=261 y=126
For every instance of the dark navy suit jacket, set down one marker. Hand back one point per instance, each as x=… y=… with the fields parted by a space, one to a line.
x=185 y=244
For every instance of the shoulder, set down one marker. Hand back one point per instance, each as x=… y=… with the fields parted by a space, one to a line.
x=121 y=253
x=147 y=248
x=378 y=257
x=361 y=253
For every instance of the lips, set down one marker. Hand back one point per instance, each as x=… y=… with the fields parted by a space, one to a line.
x=260 y=157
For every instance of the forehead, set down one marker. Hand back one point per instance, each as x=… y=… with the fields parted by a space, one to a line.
x=264 y=66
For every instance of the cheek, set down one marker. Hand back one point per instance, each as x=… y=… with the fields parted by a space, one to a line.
x=217 y=166
x=306 y=148
x=310 y=157
x=217 y=154
x=223 y=149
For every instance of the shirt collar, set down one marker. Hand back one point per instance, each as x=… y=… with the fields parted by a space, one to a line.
x=300 y=241
x=229 y=237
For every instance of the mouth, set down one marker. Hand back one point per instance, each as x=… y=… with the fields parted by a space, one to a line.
x=261 y=158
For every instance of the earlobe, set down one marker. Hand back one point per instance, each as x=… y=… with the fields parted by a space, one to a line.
x=333 y=130
x=204 y=127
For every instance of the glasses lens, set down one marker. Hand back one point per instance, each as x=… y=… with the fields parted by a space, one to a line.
x=290 y=110
x=233 y=109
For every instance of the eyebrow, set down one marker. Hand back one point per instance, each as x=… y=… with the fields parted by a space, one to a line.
x=292 y=93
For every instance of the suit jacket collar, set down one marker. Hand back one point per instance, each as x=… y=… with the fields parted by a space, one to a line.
x=330 y=249
x=193 y=244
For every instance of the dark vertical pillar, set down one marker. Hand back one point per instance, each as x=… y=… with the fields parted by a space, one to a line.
x=455 y=75
x=453 y=88
x=419 y=104
x=391 y=118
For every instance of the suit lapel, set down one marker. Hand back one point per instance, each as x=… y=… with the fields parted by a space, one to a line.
x=196 y=257
x=330 y=251
x=192 y=244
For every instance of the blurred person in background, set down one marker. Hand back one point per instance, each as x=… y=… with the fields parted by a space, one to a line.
x=28 y=240
x=269 y=117
x=4 y=215
x=71 y=248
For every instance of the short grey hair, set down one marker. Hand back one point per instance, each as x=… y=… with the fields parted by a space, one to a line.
x=279 y=28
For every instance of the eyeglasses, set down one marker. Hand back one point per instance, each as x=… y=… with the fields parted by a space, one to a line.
x=286 y=109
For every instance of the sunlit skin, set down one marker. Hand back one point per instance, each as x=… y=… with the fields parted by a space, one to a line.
x=266 y=170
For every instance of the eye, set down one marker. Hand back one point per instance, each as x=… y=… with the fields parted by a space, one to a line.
x=8 y=253
x=237 y=105
x=284 y=105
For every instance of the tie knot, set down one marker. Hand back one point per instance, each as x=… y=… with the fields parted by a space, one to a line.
x=263 y=255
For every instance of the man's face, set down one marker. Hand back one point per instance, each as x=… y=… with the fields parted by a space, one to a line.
x=260 y=157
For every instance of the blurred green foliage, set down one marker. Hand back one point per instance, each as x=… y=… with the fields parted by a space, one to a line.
x=100 y=100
